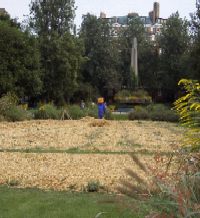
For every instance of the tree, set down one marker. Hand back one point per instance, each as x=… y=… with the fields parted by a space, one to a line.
x=19 y=62
x=102 y=70
x=195 y=51
x=174 y=43
x=61 y=65
x=60 y=51
x=188 y=107
x=50 y=16
x=148 y=68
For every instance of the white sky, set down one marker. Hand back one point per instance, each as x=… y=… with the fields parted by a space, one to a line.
x=18 y=8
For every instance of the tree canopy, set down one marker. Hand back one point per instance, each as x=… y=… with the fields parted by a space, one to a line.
x=19 y=62
x=48 y=61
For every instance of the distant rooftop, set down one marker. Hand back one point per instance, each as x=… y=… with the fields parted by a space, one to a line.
x=2 y=11
x=152 y=18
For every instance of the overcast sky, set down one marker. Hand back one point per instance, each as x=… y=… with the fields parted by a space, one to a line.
x=18 y=8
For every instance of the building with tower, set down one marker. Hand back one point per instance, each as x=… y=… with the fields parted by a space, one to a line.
x=153 y=24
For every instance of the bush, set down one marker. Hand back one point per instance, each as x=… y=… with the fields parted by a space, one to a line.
x=10 y=111
x=92 y=111
x=76 y=112
x=2 y=118
x=16 y=113
x=188 y=108
x=139 y=113
x=120 y=116
x=153 y=112
x=172 y=193
x=138 y=96
x=169 y=116
x=47 y=111
x=161 y=112
x=93 y=186
x=6 y=102
x=108 y=115
x=13 y=183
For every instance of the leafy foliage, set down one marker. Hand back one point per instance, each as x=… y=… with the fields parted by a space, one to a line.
x=93 y=186
x=10 y=111
x=188 y=108
x=19 y=62
x=154 y=112
x=174 y=43
x=7 y=101
x=47 y=111
x=102 y=52
x=48 y=17
x=195 y=47
x=60 y=51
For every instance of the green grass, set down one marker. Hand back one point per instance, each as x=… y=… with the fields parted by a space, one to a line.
x=77 y=150
x=120 y=117
x=30 y=203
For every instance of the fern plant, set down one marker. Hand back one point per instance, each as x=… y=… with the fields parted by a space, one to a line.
x=188 y=107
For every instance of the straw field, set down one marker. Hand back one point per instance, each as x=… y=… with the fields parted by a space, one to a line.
x=102 y=151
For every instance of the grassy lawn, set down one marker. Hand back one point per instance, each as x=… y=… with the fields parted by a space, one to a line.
x=29 y=203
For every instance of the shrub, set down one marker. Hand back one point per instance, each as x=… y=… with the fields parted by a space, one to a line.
x=111 y=108
x=2 y=118
x=138 y=96
x=76 y=112
x=168 y=116
x=13 y=183
x=47 y=111
x=93 y=186
x=92 y=111
x=10 y=111
x=153 y=112
x=188 y=108
x=139 y=113
x=7 y=101
x=16 y=113
x=108 y=115
x=120 y=116
x=161 y=112
x=172 y=193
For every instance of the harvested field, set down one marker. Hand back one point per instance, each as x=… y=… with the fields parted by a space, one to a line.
x=65 y=171
x=113 y=136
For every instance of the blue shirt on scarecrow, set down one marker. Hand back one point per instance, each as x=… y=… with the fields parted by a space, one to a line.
x=101 y=108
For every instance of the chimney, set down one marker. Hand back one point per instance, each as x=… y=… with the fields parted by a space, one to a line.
x=156 y=11
x=3 y=11
x=102 y=15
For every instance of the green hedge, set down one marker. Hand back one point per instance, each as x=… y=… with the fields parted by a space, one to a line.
x=47 y=111
x=157 y=112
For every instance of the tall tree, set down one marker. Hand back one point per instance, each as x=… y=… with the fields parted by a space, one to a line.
x=148 y=68
x=50 y=16
x=174 y=44
x=195 y=52
x=52 y=21
x=102 y=70
x=19 y=62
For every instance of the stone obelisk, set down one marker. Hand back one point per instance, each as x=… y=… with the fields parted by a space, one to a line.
x=134 y=59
